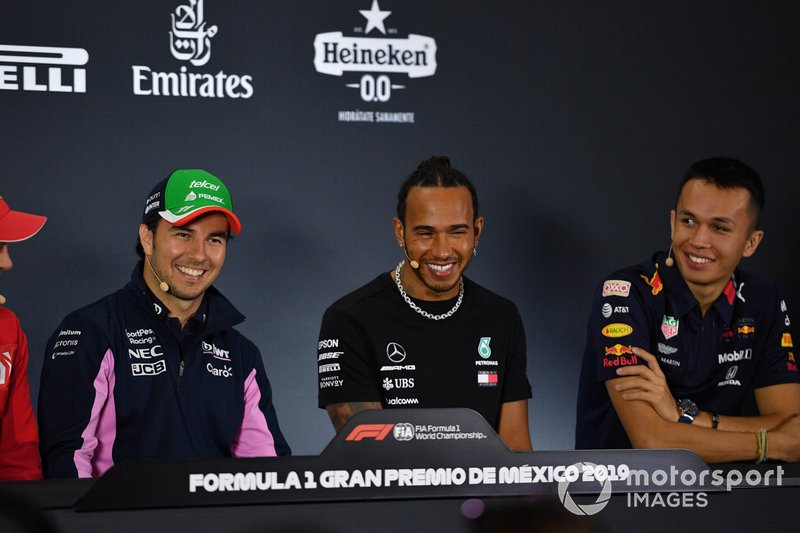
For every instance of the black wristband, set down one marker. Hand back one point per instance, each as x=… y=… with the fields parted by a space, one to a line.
x=714 y=420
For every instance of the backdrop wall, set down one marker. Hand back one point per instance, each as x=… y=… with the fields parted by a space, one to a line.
x=574 y=119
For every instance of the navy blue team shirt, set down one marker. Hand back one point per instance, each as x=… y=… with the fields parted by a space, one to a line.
x=717 y=360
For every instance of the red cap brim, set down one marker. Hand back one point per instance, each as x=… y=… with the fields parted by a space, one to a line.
x=16 y=226
x=233 y=220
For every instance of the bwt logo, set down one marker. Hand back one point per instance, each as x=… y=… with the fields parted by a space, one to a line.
x=34 y=78
x=370 y=431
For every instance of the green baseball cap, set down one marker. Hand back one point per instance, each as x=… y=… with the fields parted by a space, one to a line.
x=185 y=195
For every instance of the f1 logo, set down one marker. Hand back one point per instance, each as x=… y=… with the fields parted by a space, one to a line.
x=370 y=431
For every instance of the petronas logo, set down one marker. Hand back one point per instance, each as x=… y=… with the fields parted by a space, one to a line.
x=483 y=347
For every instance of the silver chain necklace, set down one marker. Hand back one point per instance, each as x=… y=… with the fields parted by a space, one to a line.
x=416 y=308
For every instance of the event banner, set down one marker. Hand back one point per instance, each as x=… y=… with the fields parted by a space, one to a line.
x=398 y=453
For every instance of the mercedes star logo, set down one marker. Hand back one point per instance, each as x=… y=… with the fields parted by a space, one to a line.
x=395 y=352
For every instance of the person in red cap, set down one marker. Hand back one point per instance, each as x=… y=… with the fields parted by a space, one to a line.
x=19 y=438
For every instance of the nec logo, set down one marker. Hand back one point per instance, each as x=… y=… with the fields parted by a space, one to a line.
x=370 y=431
x=145 y=353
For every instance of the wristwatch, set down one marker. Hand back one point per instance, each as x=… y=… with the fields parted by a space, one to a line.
x=689 y=410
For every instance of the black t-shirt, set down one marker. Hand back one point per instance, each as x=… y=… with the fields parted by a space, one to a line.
x=742 y=343
x=374 y=348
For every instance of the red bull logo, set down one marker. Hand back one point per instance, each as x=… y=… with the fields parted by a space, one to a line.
x=655 y=283
x=621 y=361
x=618 y=350
x=746 y=330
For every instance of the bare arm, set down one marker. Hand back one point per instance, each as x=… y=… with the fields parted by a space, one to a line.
x=341 y=412
x=513 y=426
x=647 y=411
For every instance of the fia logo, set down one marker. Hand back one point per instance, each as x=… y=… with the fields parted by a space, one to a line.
x=403 y=431
x=189 y=40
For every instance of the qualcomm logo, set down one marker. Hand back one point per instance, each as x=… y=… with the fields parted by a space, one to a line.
x=414 y=56
x=587 y=509
x=190 y=41
x=43 y=69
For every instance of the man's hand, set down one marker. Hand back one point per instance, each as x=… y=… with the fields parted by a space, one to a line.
x=341 y=412
x=784 y=441
x=647 y=383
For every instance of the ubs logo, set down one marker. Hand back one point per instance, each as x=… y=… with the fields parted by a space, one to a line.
x=395 y=352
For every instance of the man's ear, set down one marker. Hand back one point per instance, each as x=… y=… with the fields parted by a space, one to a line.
x=398 y=231
x=146 y=239
x=752 y=243
x=478 y=225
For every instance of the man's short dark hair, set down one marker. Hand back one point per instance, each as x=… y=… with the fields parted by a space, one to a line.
x=729 y=173
x=435 y=172
x=152 y=224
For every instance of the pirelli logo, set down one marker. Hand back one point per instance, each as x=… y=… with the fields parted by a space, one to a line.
x=43 y=68
x=369 y=431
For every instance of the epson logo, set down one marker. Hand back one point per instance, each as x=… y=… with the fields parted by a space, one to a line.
x=328 y=343
x=736 y=355
x=61 y=77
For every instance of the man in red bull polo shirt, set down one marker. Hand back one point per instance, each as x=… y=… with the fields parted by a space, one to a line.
x=19 y=439
x=679 y=346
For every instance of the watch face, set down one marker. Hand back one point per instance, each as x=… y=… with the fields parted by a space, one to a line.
x=688 y=407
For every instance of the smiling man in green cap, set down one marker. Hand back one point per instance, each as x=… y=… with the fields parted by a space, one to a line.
x=157 y=370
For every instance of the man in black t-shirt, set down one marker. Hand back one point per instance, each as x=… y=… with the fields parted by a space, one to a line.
x=423 y=335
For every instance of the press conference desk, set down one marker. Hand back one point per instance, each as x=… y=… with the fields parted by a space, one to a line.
x=409 y=470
